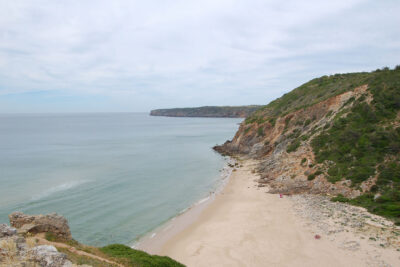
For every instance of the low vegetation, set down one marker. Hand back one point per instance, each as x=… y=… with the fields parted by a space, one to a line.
x=293 y=146
x=138 y=258
x=308 y=94
x=117 y=253
x=81 y=259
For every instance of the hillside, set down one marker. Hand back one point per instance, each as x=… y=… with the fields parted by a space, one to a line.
x=208 y=111
x=337 y=135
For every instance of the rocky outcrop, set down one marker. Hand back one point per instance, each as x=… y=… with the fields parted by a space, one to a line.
x=34 y=224
x=18 y=249
x=48 y=256
x=15 y=250
x=6 y=231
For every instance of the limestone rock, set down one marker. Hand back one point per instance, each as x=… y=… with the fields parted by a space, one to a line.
x=6 y=230
x=53 y=223
x=48 y=256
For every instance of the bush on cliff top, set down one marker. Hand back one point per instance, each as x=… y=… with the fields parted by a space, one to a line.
x=308 y=94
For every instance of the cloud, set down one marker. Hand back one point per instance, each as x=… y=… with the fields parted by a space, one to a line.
x=138 y=55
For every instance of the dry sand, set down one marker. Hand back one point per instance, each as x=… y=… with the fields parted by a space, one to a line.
x=245 y=226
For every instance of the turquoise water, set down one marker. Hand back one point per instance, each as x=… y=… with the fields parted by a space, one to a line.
x=114 y=176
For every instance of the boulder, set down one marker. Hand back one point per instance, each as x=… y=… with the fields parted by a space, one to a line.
x=48 y=256
x=34 y=224
x=6 y=230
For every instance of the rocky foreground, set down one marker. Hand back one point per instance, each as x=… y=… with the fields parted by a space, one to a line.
x=18 y=247
x=46 y=241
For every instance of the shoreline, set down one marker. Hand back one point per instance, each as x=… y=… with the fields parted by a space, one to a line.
x=246 y=226
x=153 y=241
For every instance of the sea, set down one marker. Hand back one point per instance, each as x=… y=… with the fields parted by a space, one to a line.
x=114 y=176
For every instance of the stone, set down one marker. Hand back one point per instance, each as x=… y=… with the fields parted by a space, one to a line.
x=34 y=224
x=6 y=230
x=48 y=256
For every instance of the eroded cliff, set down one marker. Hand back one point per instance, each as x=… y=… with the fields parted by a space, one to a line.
x=335 y=135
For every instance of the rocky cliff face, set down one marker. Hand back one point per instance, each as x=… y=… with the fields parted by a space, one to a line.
x=281 y=135
x=287 y=171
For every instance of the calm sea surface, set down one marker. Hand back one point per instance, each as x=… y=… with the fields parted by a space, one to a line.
x=114 y=176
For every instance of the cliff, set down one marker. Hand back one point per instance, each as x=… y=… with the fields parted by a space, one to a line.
x=208 y=111
x=337 y=135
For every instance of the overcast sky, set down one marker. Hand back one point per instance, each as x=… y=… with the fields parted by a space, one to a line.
x=78 y=56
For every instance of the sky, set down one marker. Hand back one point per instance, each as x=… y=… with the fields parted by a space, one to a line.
x=134 y=56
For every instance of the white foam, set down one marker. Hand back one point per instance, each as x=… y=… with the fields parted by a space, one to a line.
x=203 y=200
x=58 y=188
x=184 y=210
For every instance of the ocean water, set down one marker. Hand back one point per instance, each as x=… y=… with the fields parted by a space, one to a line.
x=115 y=177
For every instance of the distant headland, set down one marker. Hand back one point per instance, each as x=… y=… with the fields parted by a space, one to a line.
x=208 y=111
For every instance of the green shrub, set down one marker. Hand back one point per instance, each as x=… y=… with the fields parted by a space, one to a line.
x=287 y=120
x=318 y=172
x=351 y=99
x=304 y=137
x=374 y=188
x=295 y=133
x=49 y=236
x=260 y=131
x=293 y=146
x=137 y=257
x=340 y=198
x=326 y=126
x=272 y=121
x=299 y=123
x=311 y=177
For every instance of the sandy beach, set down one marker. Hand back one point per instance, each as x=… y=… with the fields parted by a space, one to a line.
x=245 y=226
